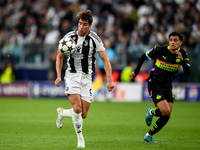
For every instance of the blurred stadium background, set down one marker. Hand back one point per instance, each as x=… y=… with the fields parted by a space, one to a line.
x=31 y=29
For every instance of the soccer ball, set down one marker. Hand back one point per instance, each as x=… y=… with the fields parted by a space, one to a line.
x=66 y=45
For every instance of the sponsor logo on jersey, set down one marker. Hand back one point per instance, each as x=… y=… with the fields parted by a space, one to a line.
x=167 y=66
x=77 y=55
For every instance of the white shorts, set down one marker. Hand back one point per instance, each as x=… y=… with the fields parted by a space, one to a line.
x=79 y=83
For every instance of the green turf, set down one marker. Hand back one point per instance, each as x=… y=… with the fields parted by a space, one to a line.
x=30 y=125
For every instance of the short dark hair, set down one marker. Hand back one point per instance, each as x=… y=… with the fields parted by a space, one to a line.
x=85 y=15
x=174 y=33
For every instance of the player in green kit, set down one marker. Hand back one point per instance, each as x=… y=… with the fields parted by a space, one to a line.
x=167 y=61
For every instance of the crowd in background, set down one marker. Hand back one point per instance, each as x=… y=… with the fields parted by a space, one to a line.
x=130 y=26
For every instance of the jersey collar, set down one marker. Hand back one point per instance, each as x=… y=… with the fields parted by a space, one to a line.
x=168 y=47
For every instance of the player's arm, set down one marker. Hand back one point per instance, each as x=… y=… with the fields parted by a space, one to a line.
x=151 y=54
x=59 y=64
x=186 y=68
x=139 y=65
x=108 y=69
x=184 y=62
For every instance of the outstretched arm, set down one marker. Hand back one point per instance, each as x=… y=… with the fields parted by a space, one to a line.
x=137 y=69
x=59 y=64
x=108 y=69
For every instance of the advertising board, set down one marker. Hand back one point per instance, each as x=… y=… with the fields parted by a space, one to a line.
x=47 y=89
x=16 y=89
x=193 y=93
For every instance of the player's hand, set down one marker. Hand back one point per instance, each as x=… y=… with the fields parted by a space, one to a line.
x=132 y=75
x=179 y=55
x=57 y=81
x=110 y=86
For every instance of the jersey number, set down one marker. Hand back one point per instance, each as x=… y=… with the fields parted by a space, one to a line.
x=90 y=91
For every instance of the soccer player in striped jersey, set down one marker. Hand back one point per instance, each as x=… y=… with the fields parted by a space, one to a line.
x=167 y=61
x=78 y=80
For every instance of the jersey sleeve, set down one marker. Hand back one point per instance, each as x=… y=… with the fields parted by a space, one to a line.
x=185 y=57
x=100 y=46
x=98 y=41
x=151 y=54
x=185 y=63
x=140 y=62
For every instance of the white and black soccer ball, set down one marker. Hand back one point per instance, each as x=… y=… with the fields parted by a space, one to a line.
x=66 y=45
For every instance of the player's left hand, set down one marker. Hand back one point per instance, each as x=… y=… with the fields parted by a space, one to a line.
x=179 y=55
x=110 y=86
x=132 y=75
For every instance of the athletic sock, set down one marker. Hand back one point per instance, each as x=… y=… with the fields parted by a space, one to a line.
x=156 y=112
x=67 y=112
x=147 y=134
x=158 y=125
x=78 y=122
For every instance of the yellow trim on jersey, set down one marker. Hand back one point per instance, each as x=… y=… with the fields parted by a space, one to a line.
x=168 y=47
x=166 y=66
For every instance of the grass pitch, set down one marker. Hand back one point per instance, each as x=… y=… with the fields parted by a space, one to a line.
x=30 y=125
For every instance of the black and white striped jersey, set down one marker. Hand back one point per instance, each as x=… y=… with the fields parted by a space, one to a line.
x=83 y=59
